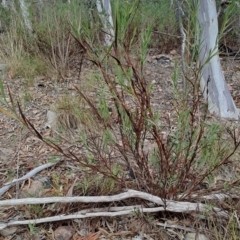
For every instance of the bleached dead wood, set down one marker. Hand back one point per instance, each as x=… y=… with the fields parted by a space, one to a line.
x=79 y=216
x=212 y=79
x=166 y=205
x=176 y=226
x=105 y=13
x=111 y=212
x=33 y=172
x=169 y=205
x=214 y=196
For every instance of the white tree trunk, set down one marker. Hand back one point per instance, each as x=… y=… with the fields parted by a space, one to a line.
x=213 y=82
x=105 y=12
x=25 y=15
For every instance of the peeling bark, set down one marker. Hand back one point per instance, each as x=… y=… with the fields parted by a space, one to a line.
x=105 y=12
x=212 y=80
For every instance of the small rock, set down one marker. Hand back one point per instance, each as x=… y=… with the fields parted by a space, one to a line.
x=44 y=180
x=63 y=233
x=51 y=119
x=173 y=52
x=194 y=236
x=35 y=190
x=154 y=81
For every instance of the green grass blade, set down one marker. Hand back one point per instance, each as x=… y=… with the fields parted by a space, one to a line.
x=7 y=113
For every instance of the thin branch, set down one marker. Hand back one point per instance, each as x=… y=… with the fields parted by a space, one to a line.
x=80 y=216
x=33 y=172
x=167 y=225
x=215 y=196
x=111 y=212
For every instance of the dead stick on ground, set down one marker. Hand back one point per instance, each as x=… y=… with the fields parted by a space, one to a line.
x=33 y=172
x=169 y=205
x=79 y=215
x=166 y=205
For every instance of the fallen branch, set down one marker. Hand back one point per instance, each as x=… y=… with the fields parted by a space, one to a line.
x=166 y=205
x=33 y=172
x=169 y=205
x=80 y=216
x=84 y=214
x=214 y=196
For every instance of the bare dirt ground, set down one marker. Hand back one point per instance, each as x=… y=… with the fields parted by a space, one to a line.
x=21 y=152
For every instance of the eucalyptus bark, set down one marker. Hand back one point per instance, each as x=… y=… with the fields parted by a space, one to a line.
x=212 y=80
x=105 y=13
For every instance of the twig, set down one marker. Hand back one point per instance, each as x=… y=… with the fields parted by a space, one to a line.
x=214 y=196
x=79 y=216
x=167 y=225
x=237 y=218
x=17 y=170
x=111 y=209
x=33 y=172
